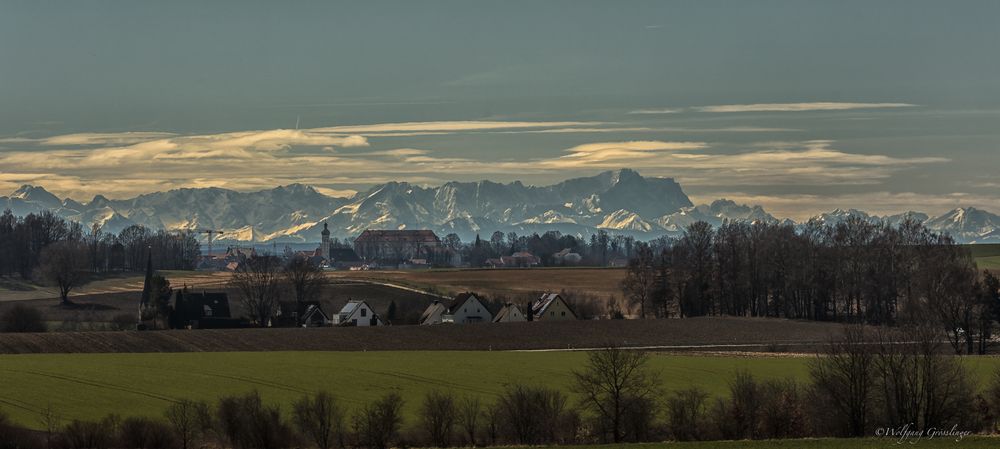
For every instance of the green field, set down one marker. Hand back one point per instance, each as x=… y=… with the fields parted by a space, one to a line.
x=823 y=443
x=88 y=386
x=987 y=256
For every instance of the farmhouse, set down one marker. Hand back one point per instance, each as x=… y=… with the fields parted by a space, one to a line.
x=395 y=246
x=464 y=309
x=551 y=307
x=357 y=313
x=509 y=313
x=201 y=311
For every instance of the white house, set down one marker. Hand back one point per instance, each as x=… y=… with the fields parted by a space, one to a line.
x=509 y=313
x=465 y=309
x=357 y=313
x=552 y=307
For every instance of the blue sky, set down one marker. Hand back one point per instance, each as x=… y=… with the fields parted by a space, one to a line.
x=799 y=106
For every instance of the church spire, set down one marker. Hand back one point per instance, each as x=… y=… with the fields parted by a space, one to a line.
x=146 y=299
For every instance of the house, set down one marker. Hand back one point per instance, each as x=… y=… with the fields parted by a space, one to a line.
x=466 y=308
x=311 y=314
x=304 y=314
x=567 y=257
x=343 y=259
x=509 y=313
x=202 y=311
x=396 y=245
x=552 y=307
x=357 y=313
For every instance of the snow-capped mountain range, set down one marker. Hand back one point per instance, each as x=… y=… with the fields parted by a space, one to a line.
x=620 y=201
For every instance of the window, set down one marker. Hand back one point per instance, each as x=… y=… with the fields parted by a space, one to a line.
x=364 y=312
x=564 y=314
x=552 y=314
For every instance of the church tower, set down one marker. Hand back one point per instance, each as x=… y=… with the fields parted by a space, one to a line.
x=325 y=247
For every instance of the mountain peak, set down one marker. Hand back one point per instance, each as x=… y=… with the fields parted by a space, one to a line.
x=36 y=194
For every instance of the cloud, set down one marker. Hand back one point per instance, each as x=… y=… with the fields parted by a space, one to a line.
x=446 y=126
x=654 y=111
x=800 y=107
x=124 y=138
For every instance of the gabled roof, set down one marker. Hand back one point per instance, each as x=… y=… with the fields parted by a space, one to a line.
x=312 y=309
x=433 y=313
x=460 y=300
x=538 y=307
x=506 y=310
x=351 y=306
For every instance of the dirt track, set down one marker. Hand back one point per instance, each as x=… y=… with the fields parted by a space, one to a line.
x=686 y=334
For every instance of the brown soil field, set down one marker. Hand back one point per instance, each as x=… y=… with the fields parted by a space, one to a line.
x=103 y=307
x=603 y=282
x=16 y=290
x=695 y=334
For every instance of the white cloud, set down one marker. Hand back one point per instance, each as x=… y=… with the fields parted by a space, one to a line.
x=655 y=111
x=800 y=107
x=123 y=138
x=446 y=126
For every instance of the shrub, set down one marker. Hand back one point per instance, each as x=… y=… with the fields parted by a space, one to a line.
x=249 y=424
x=377 y=425
x=122 y=322
x=145 y=433
x=437 y=416
x=16 y=437
x=686 y=414
x=90 y=434
x=189 y=419
x=21 y=318
x=320 y=419
x=530 y=415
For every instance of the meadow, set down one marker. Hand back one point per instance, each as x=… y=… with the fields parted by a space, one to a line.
x=987 y=256
x=819 y=443
x=89 y=386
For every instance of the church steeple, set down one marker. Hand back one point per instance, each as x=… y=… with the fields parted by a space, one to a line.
x=146 y=300
x=325 y=247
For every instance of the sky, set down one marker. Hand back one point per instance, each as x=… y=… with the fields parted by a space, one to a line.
x=799 y=106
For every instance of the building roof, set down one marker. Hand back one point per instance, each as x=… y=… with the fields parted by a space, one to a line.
x=408 y=236
x=507 y=309
x=460 y=300
x=192 y=305
x=326 y=231
x=538 y=307
x=433 y=312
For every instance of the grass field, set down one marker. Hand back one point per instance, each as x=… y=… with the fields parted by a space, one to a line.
x=987 y=256
x=92 y=385
x=823 y=443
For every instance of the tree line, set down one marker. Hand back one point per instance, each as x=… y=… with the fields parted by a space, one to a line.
x=599 y=250
x=44 y=247
x=858 y=386
x=853 y=271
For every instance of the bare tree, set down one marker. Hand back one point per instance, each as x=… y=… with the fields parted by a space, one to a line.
x=377 y=425
x=64 y=264
x=305 y=278
x=51 y=421
x=438 y=415
x=469 y=410
x=258 y=280
x=190 y=419
x=615 y=381
x=321 y=419
x=844 y=378
x=640 y=279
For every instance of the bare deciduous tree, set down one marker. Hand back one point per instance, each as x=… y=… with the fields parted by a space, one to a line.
x=844 y=378
x=437 y=416
x=258 y=280
x=615 y=381
x=469 y=411
x=305 y=278
x=64 y=264
x=377 y=425
x=640 y=279
x=190 y=419
x=321 y=419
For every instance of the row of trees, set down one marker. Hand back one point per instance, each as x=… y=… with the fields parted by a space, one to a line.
x=46 y=248
x=599 y=250
x=854 y=271
x=869 y=379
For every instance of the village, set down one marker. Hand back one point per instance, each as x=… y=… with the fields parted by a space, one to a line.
x=372 y=250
